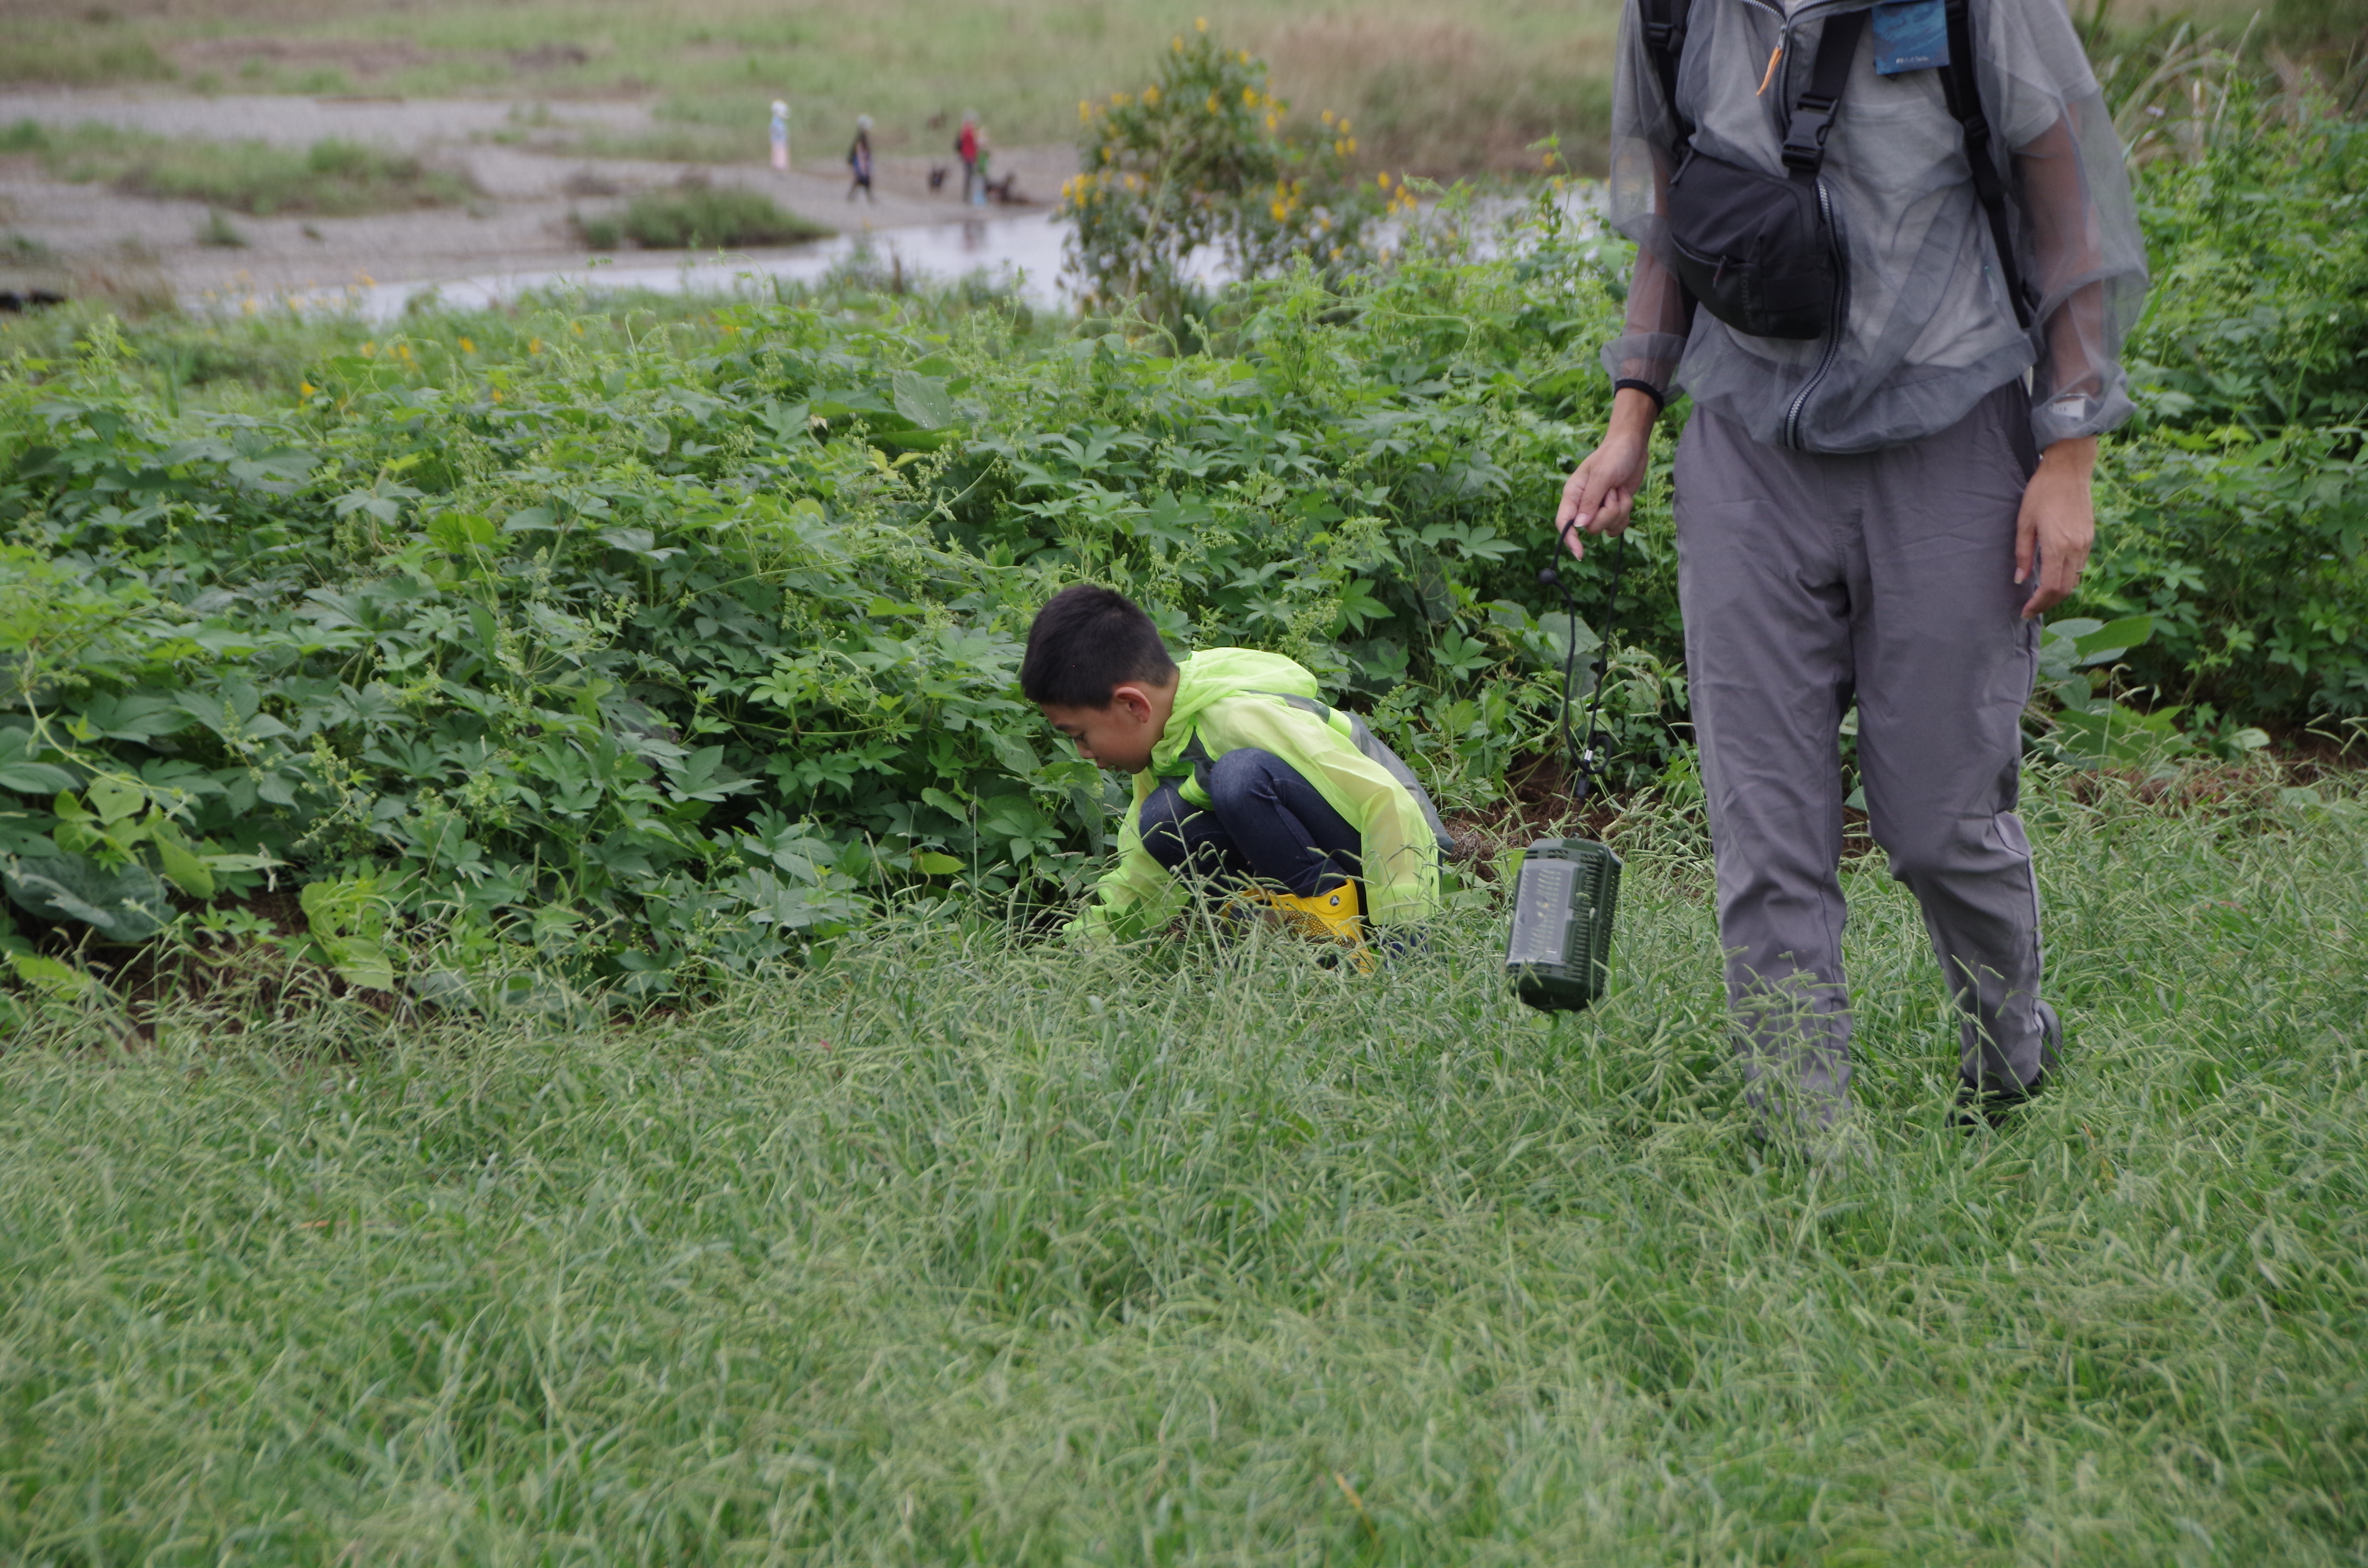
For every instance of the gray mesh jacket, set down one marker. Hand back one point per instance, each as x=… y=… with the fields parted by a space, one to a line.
x=1929 y=328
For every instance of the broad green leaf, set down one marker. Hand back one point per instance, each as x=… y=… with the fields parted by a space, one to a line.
x=50 y=977
x=931 y=863
x=34 y=777
x=922 y=400
x=114 y=799
x=184 y=868
x=359 y=962
x=2114 y=639
x=126 y=906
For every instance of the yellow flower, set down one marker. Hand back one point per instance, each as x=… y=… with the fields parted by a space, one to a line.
x=1382 y=180
x=1212 y=103
x=306 y=389
x=498 y=397
x=1084 y=112
x=1328 y=116
x=1199 y=24
x=1271 y=121
x=1151 y=96
x=535 y=346
x=467 y=346
x=1118 y=100
x=1176 y=43
x=369 y=350
x=1344 y=125
x=1279 y=210
x=1249 y=97
x=1352 y=146
x=578 y=326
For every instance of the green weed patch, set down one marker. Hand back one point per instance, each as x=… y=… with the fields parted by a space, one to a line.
x=695 y=215
x=332 y=178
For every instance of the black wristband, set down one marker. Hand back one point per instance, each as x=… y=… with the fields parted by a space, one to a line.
x=1647 y=388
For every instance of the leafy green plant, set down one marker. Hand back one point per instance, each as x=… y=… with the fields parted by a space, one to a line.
x=1202 y=159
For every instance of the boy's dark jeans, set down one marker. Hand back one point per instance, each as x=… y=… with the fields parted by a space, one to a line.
x=1264 y=824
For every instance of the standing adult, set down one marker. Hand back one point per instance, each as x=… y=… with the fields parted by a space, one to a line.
x=1875 y=507
x=967 y=146
x=780 y=131
x=858 y=160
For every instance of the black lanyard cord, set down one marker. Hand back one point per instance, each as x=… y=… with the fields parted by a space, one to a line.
x=1586 y=762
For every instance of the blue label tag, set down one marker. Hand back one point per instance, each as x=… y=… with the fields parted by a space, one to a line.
x=1910 y=35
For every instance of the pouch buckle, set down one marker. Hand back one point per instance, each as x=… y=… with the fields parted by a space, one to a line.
x=1804 y=135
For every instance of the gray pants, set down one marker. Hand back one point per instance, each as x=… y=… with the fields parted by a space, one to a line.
x=1887 y=579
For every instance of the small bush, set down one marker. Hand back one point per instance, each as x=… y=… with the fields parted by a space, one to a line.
x=600 y=232
x=220 y=231
x=695 y=215
x=1200 y=159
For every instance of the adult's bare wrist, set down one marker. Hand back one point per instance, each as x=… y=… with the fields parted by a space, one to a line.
x=2076 y=452
x=1633 y=414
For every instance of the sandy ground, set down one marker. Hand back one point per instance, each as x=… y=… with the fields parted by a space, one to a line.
x=89 y=238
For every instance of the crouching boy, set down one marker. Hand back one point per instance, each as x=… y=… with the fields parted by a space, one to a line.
x=1245 y=781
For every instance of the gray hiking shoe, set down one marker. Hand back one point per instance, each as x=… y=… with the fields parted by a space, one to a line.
x=1988 y=1105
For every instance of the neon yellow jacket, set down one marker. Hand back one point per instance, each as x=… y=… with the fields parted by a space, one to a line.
x=1231 y=697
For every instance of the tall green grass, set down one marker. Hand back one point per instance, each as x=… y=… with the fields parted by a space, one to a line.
x=949 y=1250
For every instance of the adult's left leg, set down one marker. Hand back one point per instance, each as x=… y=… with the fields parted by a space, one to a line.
x=1945 y=663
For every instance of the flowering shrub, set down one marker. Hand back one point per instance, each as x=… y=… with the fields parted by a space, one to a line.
x=1205 y=163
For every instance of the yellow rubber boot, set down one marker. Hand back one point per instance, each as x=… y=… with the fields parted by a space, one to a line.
x=1332 y=916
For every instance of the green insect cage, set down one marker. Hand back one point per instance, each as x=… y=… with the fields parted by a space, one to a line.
x=1559 y=952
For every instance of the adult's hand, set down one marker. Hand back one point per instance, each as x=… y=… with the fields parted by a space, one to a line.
x=1602 y=489
x=2057 y=526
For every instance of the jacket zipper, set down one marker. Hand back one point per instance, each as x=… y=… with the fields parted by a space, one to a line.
x=1841 y=317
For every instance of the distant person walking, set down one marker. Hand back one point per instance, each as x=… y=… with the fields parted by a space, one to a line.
x=781 y=137
x=859 y=161
x=969 y=146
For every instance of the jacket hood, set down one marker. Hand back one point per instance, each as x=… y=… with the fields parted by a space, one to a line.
x=1213 y=675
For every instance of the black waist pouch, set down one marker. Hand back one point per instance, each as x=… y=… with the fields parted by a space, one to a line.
x=1758 y=250
x=1753 y=249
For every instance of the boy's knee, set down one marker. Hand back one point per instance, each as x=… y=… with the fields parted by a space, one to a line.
x=1161 y=824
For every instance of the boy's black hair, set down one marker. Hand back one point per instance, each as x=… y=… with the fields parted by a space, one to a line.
x=1087 y=642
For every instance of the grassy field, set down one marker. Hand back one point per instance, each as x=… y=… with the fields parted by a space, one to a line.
x=1434 y=85
x=1436 y=88
x=950 y=1251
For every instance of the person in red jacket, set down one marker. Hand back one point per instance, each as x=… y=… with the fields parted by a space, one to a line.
x=966 y=145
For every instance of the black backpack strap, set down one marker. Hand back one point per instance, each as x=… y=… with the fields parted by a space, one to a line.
x=1962 y=89
x=1812 y=117
x=1665 y=44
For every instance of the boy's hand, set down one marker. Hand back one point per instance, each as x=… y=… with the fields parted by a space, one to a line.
x=2057 y=525
x=1602 y=489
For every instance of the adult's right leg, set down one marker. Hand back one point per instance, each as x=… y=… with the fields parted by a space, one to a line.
x=1761 y=580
